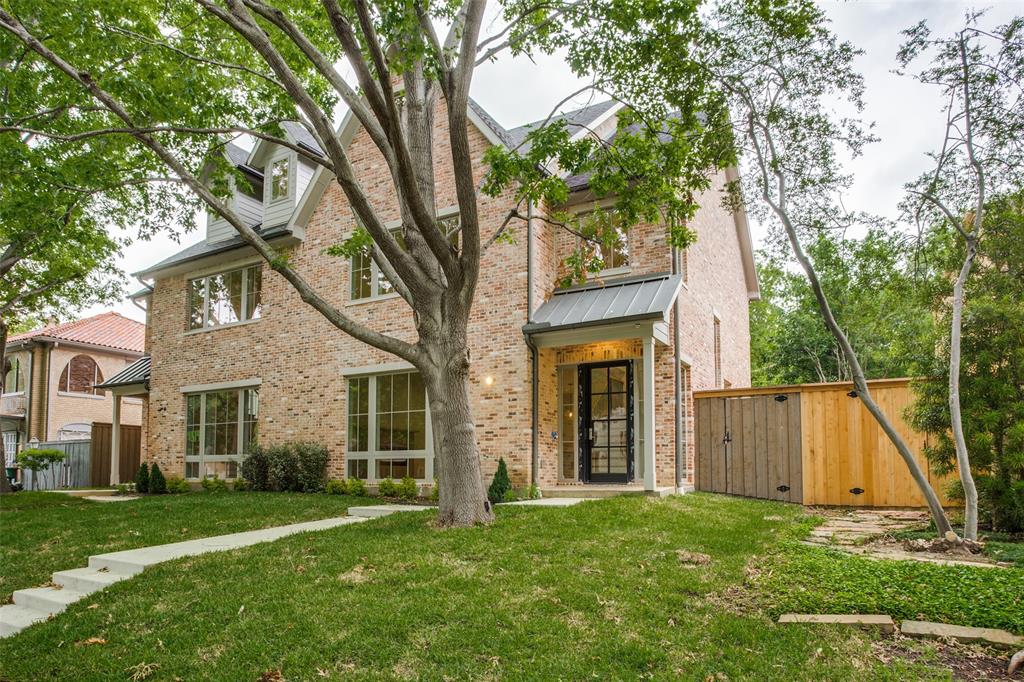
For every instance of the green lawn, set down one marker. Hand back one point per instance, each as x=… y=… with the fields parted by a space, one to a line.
x=592 y=591
x=45 y=532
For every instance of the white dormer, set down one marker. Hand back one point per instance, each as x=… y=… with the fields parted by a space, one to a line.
x=286 y=174
x=246 y=197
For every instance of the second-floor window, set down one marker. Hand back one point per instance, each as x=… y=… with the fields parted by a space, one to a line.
x=279 y=171
x=225 y=298
x=613 y=251
x=81 y=375
x=367 y=279
x=14 y=377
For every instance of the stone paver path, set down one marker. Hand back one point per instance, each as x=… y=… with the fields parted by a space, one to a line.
x=848 y=528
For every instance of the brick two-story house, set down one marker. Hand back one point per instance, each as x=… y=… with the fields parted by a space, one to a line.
x=52 y=375
x=235 y=353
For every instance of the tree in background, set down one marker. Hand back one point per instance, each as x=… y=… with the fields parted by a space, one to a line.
x=992 y=378
x=171 y=77
x=980 y=73
x=872 y=283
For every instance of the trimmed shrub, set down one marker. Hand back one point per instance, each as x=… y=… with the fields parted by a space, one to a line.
x=176 y=484
x=214 y=485
x=256 y=469
x=312 y=465
x=240 y=485
x=157 y=482
x=336 y=487
x=355 y=487
x=387 y=488
x=142 y=479
x=282 y=469
x=408 y=489
x=500 y=485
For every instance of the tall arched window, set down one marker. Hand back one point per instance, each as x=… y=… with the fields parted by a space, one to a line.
x=81 y=375
x=14 y=376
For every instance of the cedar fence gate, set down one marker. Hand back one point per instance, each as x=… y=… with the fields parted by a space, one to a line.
x=810 y=444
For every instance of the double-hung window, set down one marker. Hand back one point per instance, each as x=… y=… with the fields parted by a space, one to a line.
x=225 y=298
x=220 y=429
x=369 y=281
x=613 y=239
x=388 y=430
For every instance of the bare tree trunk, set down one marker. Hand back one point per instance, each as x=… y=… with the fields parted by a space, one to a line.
x=955 y=417
x=462 y=500
x=5 y=485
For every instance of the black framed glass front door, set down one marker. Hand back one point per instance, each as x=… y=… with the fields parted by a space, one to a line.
x=606 y=422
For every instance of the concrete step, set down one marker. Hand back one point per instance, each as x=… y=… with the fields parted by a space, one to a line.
x=87 y=580
x=46 y=599
x=14 y=619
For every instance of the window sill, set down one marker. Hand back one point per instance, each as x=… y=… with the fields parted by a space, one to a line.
x=229 y=325
x=90 y=396
x=611 y=272
x=372 y=299
x=12 y=395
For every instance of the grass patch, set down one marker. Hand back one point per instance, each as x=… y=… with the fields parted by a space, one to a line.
x=592 y=591
x=811 y=580
x=47 y=532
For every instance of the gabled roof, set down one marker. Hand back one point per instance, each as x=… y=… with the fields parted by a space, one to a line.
x=135 y=373
x=646 y=297
x=204 y=248
x=578 y=121
x=110 y=330
x=294 y=132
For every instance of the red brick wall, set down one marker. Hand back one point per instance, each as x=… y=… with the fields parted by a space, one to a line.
x=299 y=356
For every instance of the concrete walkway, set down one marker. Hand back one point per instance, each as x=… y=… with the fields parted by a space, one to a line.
x=39 y=603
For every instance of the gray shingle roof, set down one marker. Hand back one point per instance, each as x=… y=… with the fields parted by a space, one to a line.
x=204 y=248
x=135 y=373
x=302 y=136
x=644 y=297
x=573 y=120
x=236 y=154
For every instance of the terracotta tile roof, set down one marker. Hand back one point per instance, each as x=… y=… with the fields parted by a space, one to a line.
x=106 y=329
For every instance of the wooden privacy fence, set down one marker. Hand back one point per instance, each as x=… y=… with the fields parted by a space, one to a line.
x=811 y=444
x=131 y=449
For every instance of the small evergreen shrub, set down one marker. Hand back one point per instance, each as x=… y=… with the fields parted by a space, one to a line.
x=214 y=485
x=282 y=469
x=157 y=482
x=500 y=485
x=142 y=478
x=435 y=493
x=355 y=487
x=311 y=459
x=336 y=487
x=240 y=485
x=408 y=488
x=256 y=469
x=387 y=488
x=176 y=484
x=122 y=489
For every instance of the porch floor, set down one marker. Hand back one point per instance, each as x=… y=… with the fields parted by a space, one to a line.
x=597 y=490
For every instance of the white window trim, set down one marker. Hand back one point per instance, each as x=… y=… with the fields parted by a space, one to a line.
x=268 y=192
x=206 y=327
x=21 y=372
x=603 y=205
x=202 y=458
x=221 y=386
x=372 y=454
x=390 y=226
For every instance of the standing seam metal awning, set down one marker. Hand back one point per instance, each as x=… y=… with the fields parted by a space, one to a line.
x=135 y=373
x=645 y=297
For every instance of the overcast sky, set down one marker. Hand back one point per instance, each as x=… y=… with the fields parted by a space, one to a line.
x=907 y=116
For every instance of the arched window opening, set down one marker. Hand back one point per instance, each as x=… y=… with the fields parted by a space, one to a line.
x=81 y=375
x=14 y=376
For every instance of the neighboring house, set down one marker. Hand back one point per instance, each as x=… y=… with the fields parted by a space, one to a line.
x=50 y=381
x=235 y=352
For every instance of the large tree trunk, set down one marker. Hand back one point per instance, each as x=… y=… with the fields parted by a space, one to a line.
x=5 y=485
x=462 y=500
x=956 y=419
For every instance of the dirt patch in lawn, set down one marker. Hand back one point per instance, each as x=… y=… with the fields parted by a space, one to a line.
x=964 y=661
